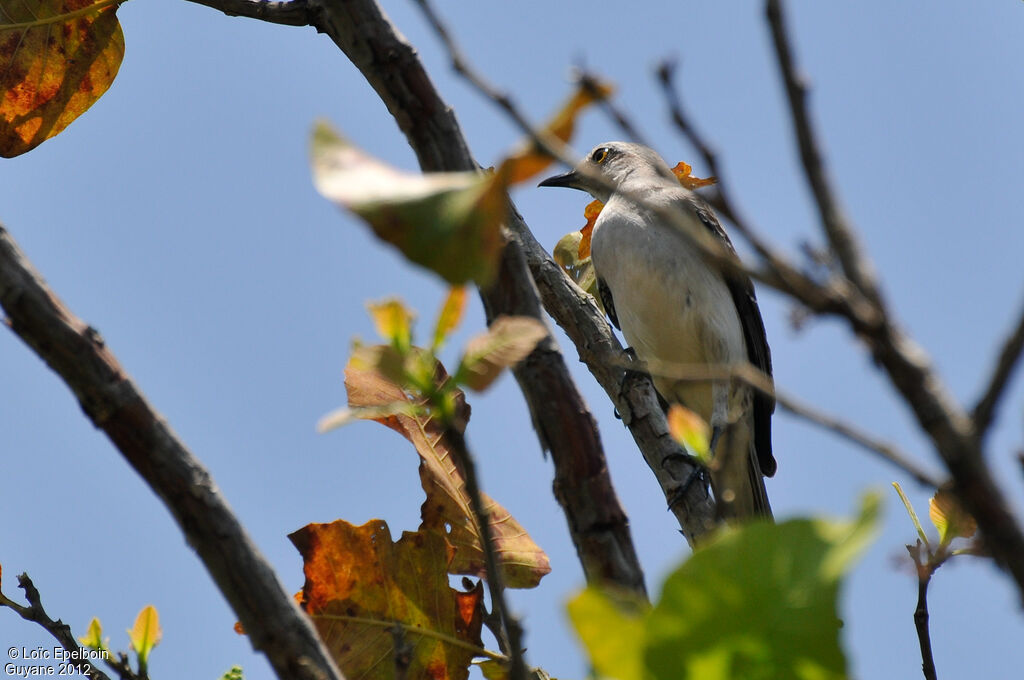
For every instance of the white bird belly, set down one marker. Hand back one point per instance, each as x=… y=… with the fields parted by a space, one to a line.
x=673 y=308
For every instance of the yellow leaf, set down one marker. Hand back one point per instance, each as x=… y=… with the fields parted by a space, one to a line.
x=93 y=637
x=393 y=322
x=580 y=270
x=146 y=633
x=529 y=160
x=682 y=172
x=949 y=518
x=690 y=430
x=57 y=57
x=450 y=316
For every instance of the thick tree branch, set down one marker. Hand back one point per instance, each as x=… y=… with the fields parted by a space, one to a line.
x=985 y=410
x=287 y=12
x=597 y=522
x=112 y=401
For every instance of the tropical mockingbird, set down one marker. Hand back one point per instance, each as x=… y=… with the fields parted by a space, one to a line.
x=677 y=309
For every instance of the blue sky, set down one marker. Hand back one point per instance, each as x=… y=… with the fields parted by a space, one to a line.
x=178 y=217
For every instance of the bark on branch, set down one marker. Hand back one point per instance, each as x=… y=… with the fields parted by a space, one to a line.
x=112 y=401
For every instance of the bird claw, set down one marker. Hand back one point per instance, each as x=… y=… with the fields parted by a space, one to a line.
x=698 y=472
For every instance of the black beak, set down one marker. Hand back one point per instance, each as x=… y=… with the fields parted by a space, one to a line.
x=569 y=179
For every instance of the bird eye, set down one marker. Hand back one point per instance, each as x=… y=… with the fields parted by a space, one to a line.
x=600 y=155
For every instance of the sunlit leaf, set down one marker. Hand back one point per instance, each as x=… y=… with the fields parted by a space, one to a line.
x=57 y=57
x=580 y=270
x=146 y=633
x=93 y=637
x=949 y=517
x=690 y=430
x=595 y=613
x=360 y=584
x=758 y=602
x=507 y=341
x=447 y=509
x=393 y=321
x=529 y=160
x=449 y=223
x=913 y=515
x=233 y=673
x=683 y=172
x=450 y=316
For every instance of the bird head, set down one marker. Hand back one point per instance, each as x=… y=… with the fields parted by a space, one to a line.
x=608 y=166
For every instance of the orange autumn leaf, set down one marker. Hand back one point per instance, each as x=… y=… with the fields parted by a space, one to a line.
x=447 y=508
x=57 y=58
x=529 y=160
x=682 y=172
x=360 y=584
x=591 y=212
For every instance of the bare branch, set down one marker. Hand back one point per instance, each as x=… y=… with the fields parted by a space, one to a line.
x=749 y=374
x=114 y=404
x=908 y=367
x=984 y=412
x=838 y=229
x=60 y=631
x=287 y=12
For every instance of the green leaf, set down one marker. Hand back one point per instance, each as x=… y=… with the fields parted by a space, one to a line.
x=449 y=223
x=913 y=515
x=507 y=342
x=759 y=602
x=145 y=634
x=612 y=631
x=233 y=673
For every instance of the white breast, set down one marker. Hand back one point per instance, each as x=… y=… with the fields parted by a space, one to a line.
x=673 y=308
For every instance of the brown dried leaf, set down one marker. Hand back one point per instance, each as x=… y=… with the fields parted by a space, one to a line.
x=507 y=341
x=359 y=584
x=447 y=509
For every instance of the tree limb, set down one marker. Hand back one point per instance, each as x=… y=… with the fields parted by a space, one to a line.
x=984 y=411
x=950 y=429
x=112 y=401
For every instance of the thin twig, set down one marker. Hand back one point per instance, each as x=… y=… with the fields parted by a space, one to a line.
x=921 y=624
x=751 y=376
x=841 y=234
x=947 y=424
x=984 y=412
x=591 y=83
x=114 y=404
x=58 y=629
x=495 y=580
